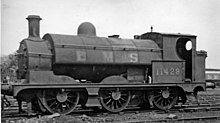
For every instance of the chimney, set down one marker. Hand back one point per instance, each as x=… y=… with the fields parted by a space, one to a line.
x=34 y=26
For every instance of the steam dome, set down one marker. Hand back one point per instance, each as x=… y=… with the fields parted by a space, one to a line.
x=87 y=29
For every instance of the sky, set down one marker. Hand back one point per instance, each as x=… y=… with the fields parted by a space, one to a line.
x=122 y=17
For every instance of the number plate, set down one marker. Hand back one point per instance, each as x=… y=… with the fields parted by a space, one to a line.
x=168 y=71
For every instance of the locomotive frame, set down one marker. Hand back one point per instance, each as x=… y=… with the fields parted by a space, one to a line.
x=153 y=69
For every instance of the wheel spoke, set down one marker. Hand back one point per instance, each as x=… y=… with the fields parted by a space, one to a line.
x=53 y=103
x=158 y=92
x=67 y=105
x=165 y=102
x=107 y=97
x=168 y=100
x=162 y=102
x=74 y=96
x=51 y=99
x=119 y=102
x=123 y=99
x=61 y=107
x=112 y=105
x=157 y=96
x=116 y=105
x=57 y=106
x=158 y=100
x=71 y=102
x=110 y=100
x=171 y=98
x=109 y=92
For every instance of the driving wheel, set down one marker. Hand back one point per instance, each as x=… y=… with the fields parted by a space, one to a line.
x=60 y=101
x=114 y=100
x=165 y=99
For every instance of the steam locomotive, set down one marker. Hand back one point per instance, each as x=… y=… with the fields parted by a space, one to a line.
x=62 y=73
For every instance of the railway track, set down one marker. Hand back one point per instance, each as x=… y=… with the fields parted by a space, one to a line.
x=191 y=119
x=174 y=115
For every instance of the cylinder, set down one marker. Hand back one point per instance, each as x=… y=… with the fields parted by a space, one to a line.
x=6 y=89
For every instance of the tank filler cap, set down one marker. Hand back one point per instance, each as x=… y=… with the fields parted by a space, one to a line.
x=87 y=29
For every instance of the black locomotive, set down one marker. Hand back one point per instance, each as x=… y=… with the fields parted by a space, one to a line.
x=62 y=72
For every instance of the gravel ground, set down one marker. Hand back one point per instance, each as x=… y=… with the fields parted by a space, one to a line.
x=131 y=117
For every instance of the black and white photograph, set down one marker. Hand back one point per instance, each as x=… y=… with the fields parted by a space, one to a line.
x=110 y=61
